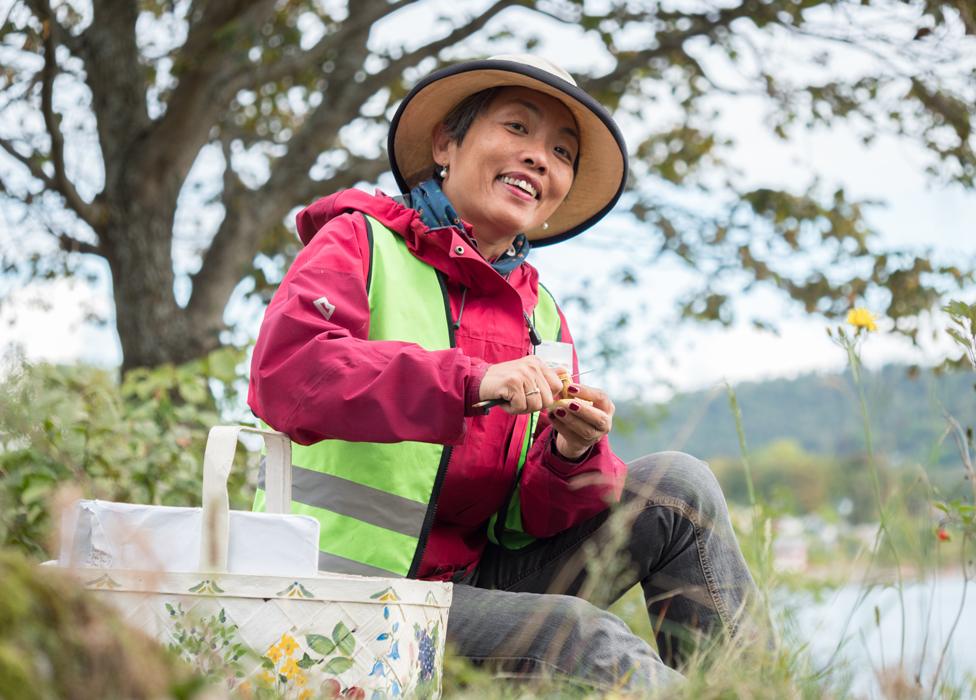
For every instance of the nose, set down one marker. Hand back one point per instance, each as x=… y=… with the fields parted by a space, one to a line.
x=535 y=157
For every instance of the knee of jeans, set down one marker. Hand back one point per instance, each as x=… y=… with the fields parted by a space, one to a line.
x=578 y=619
x=677 y=475
x=592 y=634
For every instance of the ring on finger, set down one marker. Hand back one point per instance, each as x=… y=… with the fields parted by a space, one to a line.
x=537 y=390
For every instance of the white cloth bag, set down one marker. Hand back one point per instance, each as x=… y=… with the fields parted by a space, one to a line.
x=290 y=637
x=102 y=534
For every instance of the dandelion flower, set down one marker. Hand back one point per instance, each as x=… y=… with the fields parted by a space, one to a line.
x=859 y=317
x=305 y=694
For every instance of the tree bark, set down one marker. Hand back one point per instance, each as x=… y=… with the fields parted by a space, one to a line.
x=153 y=328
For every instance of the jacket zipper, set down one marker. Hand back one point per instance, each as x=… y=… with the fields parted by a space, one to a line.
x=445 y=455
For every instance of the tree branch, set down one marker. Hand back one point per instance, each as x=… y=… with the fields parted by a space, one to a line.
x=251 y=76
x=356 y=169
x=395 y=68
x=43 y=11
x=67 y=243
x=322 y=126
x=701 y=25
x=73 y=245
x=250 y=215
x=117 y=84
x=209 y=56
x=61 y=182
x=30 y=163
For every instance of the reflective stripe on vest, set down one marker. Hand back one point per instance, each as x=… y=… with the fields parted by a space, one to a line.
x=373 y=500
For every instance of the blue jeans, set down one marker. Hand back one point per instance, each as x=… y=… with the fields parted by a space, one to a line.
x=536 y=611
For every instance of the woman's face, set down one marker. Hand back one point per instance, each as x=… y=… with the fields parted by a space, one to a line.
x=513 y=167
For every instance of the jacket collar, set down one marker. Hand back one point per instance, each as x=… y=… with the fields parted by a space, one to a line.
x=436 y=211
x=446 y=248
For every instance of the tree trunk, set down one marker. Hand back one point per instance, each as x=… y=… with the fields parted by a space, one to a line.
x=153 y=328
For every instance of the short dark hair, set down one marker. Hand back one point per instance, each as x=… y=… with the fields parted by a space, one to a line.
x=462 y=116
x=459 y=120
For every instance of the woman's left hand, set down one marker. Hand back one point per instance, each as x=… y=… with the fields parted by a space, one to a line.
x=579 y=426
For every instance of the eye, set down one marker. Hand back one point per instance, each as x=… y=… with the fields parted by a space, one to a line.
x=564 y=153
x=518 y=126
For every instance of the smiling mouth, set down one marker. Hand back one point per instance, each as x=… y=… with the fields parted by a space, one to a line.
x=520 y=184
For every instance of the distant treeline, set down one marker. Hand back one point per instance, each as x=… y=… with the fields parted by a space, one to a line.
x=813 y=420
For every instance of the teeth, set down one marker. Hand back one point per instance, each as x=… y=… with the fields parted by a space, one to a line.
x=521 y=184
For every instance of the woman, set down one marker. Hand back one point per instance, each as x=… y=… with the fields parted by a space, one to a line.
x=399 y=319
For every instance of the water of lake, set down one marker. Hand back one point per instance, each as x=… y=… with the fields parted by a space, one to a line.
x=868 y=628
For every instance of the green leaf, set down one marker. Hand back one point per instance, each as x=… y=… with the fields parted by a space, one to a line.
x=320 y=644
x=343 y=639
x=194 y=391
x=223 y=363
x=307 y=661
x=338 y=665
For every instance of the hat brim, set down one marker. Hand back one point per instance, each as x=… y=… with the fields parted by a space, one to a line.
x=602 y=168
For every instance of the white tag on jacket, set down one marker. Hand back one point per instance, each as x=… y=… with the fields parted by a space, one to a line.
x=556 y=354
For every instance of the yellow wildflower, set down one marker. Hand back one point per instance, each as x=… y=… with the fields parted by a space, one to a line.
x=288 y=644
x=859 y=317
x=305 y=694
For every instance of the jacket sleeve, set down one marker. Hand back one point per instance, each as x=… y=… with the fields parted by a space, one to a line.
x=315 y=375
x=557 y=493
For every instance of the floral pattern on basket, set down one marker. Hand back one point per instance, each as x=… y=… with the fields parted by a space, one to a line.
x=300 y=663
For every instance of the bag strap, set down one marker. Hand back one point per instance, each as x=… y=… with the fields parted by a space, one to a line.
x=218 y=459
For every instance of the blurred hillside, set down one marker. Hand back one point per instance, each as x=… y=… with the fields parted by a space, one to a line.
x=817 y=411
x=805 y=435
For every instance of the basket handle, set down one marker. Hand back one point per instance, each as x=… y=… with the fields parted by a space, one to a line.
x=218 y=458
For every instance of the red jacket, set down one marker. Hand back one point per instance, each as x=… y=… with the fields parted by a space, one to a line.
x=317 y=379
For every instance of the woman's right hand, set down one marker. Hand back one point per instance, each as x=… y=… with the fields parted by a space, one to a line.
x=527 y=385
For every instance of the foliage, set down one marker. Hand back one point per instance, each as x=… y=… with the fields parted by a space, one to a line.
x=290 y=99
x=962 y=316
x=961 y=512
x=77 y=428
x=57 y=641
x=792 y=480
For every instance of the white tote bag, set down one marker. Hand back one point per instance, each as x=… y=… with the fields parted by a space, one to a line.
x=299 y=636
x=102 y=534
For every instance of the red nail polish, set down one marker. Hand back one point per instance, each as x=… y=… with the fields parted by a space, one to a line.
x=573 y=390
x=574 y=406
x=560 y=413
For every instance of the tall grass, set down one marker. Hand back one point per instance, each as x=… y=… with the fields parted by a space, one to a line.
x=783 y=666
x=773 y=661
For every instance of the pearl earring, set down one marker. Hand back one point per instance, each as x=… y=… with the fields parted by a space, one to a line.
x=443 y=172
x=545 y=226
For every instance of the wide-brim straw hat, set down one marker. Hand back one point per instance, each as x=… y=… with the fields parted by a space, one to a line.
x=602 y=166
